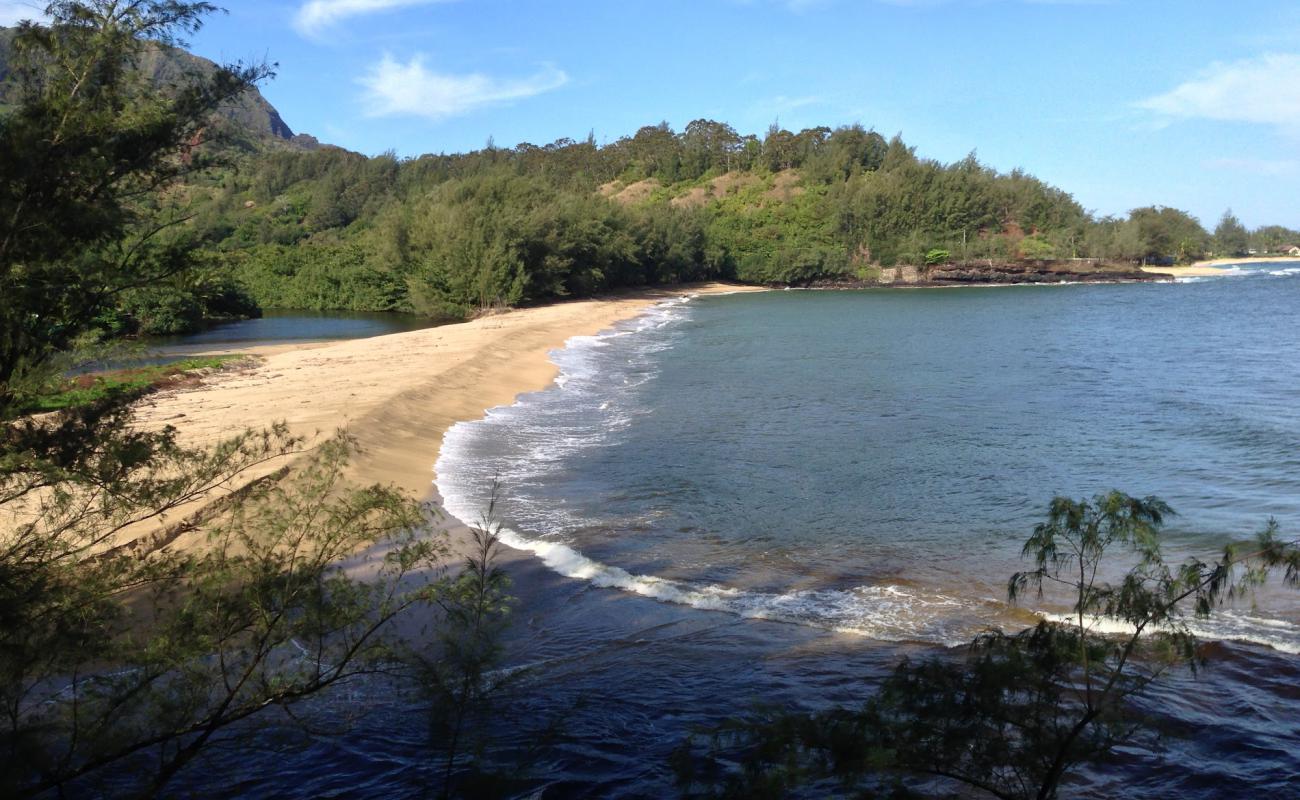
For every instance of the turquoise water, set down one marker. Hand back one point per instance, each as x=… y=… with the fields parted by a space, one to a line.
x=872 y=461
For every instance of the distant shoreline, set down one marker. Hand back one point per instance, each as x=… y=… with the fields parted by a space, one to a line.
x=1201 y=270
x=1219 y=262
x=1217 y=266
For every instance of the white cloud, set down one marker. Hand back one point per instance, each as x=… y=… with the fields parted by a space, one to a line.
x=14 y=11
x=1256 y=166
x=394 y=88
x=315 y=16
x=1263 y=90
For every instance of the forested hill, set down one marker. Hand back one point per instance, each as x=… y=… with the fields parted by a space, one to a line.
x=252 y=123
x=288 y=224
x=449 y=234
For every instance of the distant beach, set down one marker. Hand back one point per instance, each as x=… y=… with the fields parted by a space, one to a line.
x=1217 y=266
x=1220 y=262
x=1199 y=270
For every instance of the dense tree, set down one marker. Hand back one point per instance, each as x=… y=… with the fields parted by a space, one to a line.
x=1273 y=239
x=86 y=151
x=1168 y=235
x=123 y=656
x=446 y=234
x=1230 y=236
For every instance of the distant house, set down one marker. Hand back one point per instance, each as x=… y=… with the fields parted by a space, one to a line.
x=1292 y=250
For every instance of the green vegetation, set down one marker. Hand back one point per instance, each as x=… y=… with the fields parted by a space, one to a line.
x=1012 y=715
x=124 y=656
x=1231 y=237
x=88 y=151
x=97 y=387
x=446 y=235
x=276 y=226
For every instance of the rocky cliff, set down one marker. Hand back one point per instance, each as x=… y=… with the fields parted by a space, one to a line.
x=253 y=121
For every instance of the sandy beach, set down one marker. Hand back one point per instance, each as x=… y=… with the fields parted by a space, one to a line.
x=1220 y=262
x=1205 y=270
x=1218 y=266
x=397 y=394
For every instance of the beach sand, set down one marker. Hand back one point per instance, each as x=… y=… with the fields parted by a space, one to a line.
x=1194 y=271
x=1220 y=262
x=1217 y=267
x=396 y=394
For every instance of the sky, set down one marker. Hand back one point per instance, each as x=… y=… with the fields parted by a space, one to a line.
x=1193 y=104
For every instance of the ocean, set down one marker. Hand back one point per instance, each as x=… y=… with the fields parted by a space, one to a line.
x=862 y=468
x=770 y=499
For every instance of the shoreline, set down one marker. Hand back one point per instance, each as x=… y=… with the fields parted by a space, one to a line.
x=1219 y=262
x=1192 y=271
x=1218 y=266
x=397 y=394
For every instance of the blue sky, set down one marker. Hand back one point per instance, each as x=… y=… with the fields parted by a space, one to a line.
x=1123 y=102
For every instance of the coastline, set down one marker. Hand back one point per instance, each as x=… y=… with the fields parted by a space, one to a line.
x=1219 y=262
x=1200 y=270
x=397 y=394
x=1217 y=266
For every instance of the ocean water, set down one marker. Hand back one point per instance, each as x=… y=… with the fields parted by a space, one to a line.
x=772 y=498
x=872 y=462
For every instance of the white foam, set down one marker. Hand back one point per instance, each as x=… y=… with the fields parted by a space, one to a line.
x=1223 y=626
x=886 y=612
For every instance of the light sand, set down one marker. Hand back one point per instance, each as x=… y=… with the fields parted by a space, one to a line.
x=1219 y=262
x=1193 y=271
x=1218 y=266
x=397 y=394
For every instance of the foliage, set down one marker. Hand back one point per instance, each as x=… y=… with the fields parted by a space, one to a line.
x=114 y=654
x=937 y=256
x=316 y=277
x=1012 y=715
x=1037 y=247
x=1168 y=235
x=182 y=304
x=460 y=678
x=1273 y=239
x=123 y=655
x=446 y=235
x=96 y=387
x=1231 y=237
x=86 y=150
